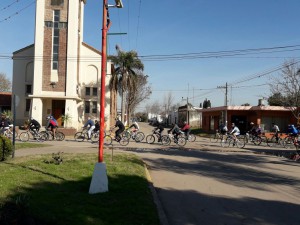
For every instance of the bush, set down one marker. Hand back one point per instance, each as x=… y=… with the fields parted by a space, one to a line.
x=5 y=148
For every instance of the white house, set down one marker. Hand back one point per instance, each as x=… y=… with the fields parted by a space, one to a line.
x=59 y=74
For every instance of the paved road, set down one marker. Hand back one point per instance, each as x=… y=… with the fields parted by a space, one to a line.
x=208 y=185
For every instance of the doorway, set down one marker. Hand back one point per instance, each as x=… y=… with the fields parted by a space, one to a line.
x=58 y=109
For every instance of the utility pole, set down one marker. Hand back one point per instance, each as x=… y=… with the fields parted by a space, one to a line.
x=226 y=100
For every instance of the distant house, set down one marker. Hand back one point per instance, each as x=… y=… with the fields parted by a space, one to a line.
x=5 y=101
x=243 y=115
x=190 y=114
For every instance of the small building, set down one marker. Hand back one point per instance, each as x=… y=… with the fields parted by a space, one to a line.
x=243 y=115
x=190 y=114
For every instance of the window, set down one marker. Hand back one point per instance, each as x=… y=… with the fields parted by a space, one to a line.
x=87 y=91
x=48 y=24
x=87 y=107
x=95 y=92
x=28 y=89
x=28 y=103
x=57 y=2
x=55 y=40
x=94 y=107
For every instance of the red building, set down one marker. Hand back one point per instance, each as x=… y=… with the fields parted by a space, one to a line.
x=243 y=115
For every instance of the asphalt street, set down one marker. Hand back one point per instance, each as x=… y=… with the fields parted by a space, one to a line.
x=204 y=183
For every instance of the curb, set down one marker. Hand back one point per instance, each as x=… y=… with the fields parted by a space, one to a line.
x=161 y=213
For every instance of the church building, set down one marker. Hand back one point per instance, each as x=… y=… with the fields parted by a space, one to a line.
x=59 y=74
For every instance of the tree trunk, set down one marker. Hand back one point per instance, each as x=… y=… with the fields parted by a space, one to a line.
x=123 y=107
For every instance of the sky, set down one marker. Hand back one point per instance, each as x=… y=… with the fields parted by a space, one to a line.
x=190 y=49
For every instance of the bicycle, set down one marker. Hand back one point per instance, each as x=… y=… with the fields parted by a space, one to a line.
x=255 y=139
x=231 y=141
x=191 y=137
x=275 y=140
x=177 y=140
x=163 y=139
x=59 y=136
x=9 y=132
x=290 y=141
x=35 y=135
x=82 y=135
x=122 y=141
x=95 y=137
x=137 y=136
x=217 y=137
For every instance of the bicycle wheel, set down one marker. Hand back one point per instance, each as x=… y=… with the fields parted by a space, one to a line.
x=215 y=137
x=95 y=137
x=165 y=140
x=288 y=142
x=239 y=143
x=79 y=136
x=46 y=134
x=40 y=137
x=257 y=140
x=24 y=136
x=224 y=142
x=60 y=136
x=107 y=140
x=192 y=138
x=181 y=141
x=150 y=139
x=126 y=135
x=139 y=137
x=124 y=141
x=271 y=142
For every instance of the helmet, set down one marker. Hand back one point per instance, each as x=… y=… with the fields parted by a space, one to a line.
x=251 y=123
x=184 y=122
x=48 y=118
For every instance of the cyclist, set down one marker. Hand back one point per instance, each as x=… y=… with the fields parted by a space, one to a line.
x=34 y=125
x=186 y=129
x=135 y=126
x=175 y=130
x=223 y=128
x=4 y=123
x=159 y=129
x=118 y=132
x=235 y=131
x=90 y=125
x=52 y=125
x=252 y=129
x=97 y=126
x=276 y=130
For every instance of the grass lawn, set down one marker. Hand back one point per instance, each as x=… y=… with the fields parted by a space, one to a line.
x=21 y=145
x=50 y=194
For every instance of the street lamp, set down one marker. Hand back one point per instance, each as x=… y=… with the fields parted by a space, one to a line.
x=99 y=180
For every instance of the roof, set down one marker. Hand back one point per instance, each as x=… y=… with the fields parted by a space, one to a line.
x=91 y=48
x=247 y=108
x=23 y=49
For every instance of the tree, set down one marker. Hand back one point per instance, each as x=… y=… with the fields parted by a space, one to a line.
x=276 y=99
x=137 y=93
x=5 y=83
x=128 y=65
x=286 y=87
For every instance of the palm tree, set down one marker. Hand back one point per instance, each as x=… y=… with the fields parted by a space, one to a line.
x=127 y=66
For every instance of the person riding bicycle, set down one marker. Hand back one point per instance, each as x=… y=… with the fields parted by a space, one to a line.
x=252 y=129
x=90 y=125
x=118 y=132
x=235 y=131
x=34 y=125
x=159 y=129
x=223 y=128
x=135 y=126
x=175 y=130
x=276 y=130
x=97 y=126
x=186 y=129
x=52 y=125
x=4 y=123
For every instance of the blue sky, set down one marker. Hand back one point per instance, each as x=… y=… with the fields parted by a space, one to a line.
x=167 y=28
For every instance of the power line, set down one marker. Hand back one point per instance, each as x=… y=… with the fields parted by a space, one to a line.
x=138 y=25
x=9 y=5
x=17 y=13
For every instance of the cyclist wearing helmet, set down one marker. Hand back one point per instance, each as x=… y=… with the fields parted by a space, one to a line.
x=52 y=125
x=90 y=125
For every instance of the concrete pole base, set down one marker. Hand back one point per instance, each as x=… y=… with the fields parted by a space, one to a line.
x=99 y=182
